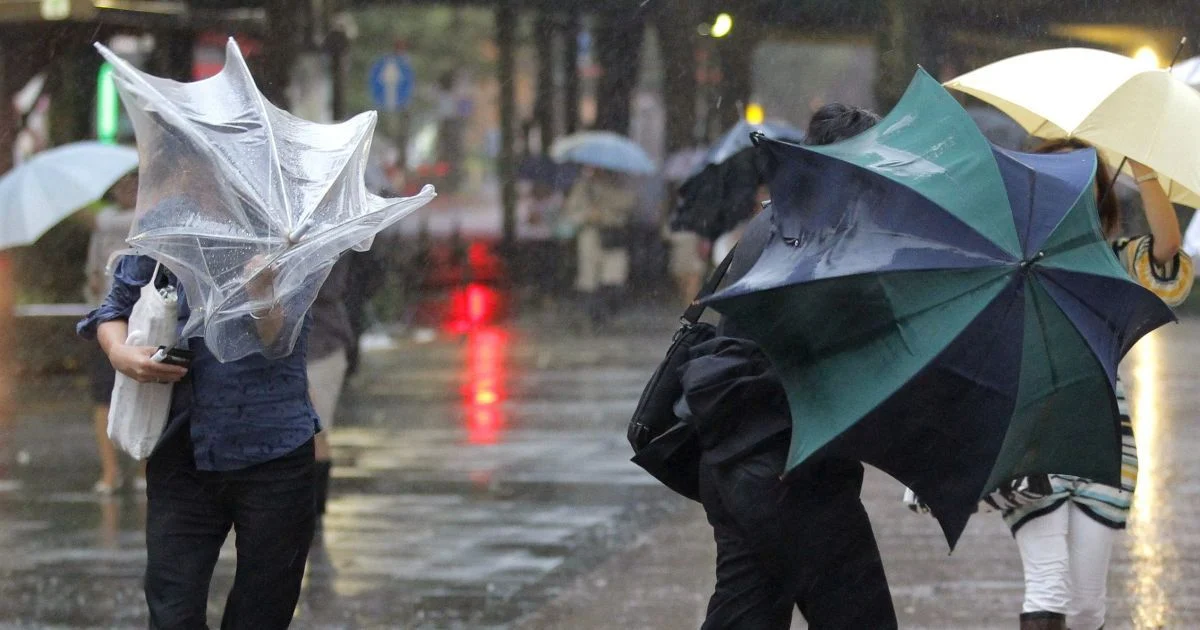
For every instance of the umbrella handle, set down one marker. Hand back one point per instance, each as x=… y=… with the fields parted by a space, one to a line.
x=299 y=232
x=1112 y=184
x=1178 y=50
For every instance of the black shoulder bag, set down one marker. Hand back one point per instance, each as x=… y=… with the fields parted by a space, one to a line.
x=664 y=446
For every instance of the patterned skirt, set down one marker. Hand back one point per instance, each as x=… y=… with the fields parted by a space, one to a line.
x=1105 y=504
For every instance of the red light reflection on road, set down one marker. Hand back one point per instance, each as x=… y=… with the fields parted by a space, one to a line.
x=473 y=306
x=483 y=392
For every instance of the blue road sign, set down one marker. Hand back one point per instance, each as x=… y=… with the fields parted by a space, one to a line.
x=391 y=82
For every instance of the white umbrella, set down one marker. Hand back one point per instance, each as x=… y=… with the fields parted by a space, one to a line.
x=604 y=149
x=54 y=184
x=1118 y=105
x=1189 y=71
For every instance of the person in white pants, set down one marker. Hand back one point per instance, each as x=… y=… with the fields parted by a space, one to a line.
x=1066 y=554
x=1066 y=537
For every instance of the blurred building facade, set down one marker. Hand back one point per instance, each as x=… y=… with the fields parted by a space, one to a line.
x=586 y=58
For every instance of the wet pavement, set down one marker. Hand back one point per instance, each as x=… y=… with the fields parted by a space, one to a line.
x=482 y=481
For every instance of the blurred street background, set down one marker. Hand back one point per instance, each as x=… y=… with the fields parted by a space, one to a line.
x=483 y=481
x=481 y=475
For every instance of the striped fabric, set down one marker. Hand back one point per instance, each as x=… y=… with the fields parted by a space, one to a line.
x=1108 y=505
x=1172 y=283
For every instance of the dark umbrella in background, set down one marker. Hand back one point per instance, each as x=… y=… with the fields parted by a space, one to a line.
x=540 y=169
x=998 y=128
x=943 y=309
x=720 y=192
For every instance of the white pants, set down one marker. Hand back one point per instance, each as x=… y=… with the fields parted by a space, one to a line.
x=325 y=378
x=1065 y=554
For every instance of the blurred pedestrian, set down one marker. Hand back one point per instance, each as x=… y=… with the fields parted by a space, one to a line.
x=237 y=451
x=600 y=206
x=724 y=243
x=1066 y=538
x=7 y=351
x=329 y=345
x=112 y=225
x=688 y=261
x=540 y=255
x=365 y=275
x=803 y=541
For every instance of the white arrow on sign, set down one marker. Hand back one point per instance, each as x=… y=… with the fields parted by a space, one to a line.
x=391 y=76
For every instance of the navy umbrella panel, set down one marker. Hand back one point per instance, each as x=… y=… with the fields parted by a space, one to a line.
x=952 y=316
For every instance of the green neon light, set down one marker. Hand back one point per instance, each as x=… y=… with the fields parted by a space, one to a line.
x=108 y=109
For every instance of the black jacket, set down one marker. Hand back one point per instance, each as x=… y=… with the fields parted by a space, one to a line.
x=733 y=399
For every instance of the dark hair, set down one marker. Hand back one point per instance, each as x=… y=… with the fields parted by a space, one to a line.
x=1110 y=207
x=836 y=122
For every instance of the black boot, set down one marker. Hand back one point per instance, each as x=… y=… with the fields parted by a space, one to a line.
x=321 y=490
x=1042 y=620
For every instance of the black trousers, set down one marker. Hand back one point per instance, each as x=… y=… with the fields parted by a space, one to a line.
x=189 y=514
x=806 y=543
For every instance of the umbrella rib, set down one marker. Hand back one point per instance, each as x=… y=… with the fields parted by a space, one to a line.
x=923 y=239
x=423 y=197
x=306 y=216
x=1041 y=330
x=1033 y=180
x=276 y=169
x=165 y=233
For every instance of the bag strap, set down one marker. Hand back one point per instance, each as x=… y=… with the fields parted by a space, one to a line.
x=696 y=309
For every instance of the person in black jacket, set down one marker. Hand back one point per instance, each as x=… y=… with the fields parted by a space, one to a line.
x=805 y=541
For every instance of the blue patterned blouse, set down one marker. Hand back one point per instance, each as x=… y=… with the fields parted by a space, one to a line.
x=241 y=413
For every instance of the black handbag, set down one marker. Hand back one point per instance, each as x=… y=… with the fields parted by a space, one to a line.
x=664 y=446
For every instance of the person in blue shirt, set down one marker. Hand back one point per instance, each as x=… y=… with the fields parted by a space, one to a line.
x=237 y=452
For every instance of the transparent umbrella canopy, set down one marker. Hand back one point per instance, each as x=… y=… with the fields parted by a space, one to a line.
x=248 y=205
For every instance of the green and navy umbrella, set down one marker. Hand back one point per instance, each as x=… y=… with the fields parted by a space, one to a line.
x=943 y=309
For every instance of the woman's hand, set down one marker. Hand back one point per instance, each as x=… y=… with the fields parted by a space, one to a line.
x=261 y=283
x=261 y=288
x=1160 y=214
x=1139 y=169
x=135 y=362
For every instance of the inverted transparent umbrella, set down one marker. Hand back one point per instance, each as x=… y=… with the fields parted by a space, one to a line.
x=248 y=205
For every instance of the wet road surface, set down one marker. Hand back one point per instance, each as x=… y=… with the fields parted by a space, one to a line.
x=482 y=481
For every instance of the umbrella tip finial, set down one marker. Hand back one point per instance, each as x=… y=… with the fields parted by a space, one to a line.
x=1178 y=51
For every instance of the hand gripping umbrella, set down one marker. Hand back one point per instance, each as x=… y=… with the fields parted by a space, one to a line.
x=246 y=204
x=943 y=309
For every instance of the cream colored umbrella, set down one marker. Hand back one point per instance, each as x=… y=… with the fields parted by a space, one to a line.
x=1189 y=71
x=1119 y=105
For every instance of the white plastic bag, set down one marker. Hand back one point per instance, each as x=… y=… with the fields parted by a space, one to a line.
x=138 y=411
